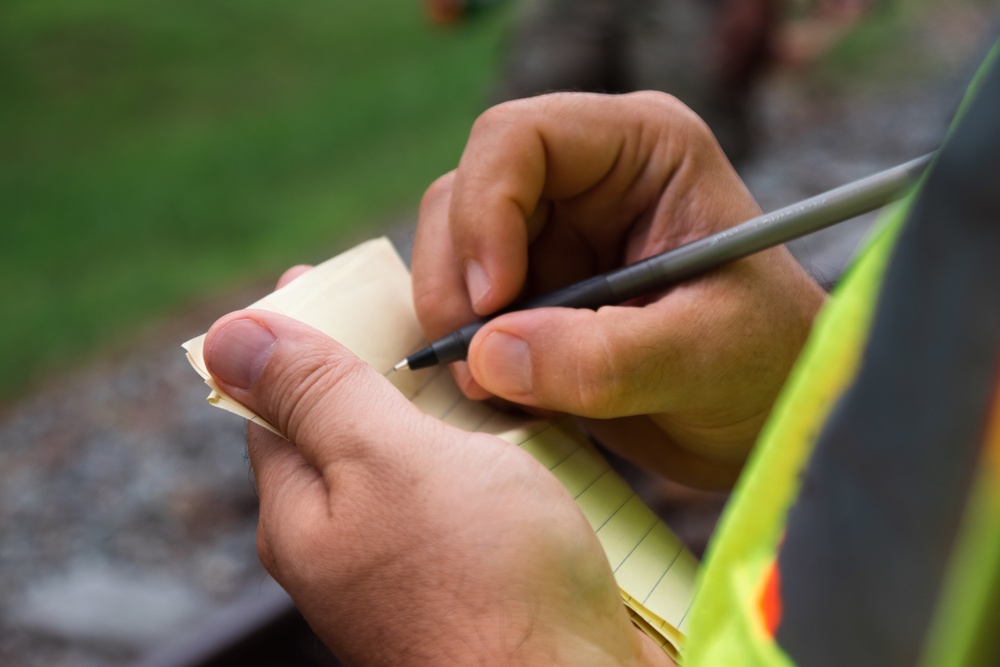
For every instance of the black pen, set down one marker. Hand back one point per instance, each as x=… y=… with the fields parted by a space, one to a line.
x=692 y=259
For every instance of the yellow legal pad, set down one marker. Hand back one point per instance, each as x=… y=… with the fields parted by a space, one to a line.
x=362 y=298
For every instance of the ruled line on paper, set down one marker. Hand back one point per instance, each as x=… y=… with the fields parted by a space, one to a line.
x=363 y=300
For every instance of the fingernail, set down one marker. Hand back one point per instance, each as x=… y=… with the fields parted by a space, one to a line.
x=505 y=362
x=476 y=281
x=239 y=352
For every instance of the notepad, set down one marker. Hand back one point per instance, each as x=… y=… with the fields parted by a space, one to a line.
x=362 y=298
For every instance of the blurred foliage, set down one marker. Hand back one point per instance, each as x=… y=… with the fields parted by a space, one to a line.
x=154 y=151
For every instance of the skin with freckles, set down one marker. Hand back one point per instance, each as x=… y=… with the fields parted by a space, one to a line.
x=554 y=189
x=404 y=541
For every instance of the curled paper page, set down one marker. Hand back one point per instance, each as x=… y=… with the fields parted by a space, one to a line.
x=362 y=298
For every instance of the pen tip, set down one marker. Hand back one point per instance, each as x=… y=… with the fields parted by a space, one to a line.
x=405 y=363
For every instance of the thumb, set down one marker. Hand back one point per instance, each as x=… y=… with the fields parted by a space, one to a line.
x=608 y=363
x=313 y=390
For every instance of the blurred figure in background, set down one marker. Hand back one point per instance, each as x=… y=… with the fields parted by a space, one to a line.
x=708 y=53
x=817 y=27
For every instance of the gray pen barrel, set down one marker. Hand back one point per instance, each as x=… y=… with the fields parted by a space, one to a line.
x=591 y=293
x=687 y=261
x=764 y=231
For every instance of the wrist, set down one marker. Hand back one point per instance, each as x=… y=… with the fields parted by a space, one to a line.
x=542 y=647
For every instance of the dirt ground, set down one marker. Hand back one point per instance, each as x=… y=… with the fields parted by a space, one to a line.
x=127 y=515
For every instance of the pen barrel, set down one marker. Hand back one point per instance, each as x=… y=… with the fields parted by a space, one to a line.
x=592 y=293
x=687 y=261
x=763 y=232
x=450 y=348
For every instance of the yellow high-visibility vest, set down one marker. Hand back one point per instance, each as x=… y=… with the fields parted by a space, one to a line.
x=738 y=611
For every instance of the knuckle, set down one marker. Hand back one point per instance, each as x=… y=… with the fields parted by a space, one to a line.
x=310 y=383
x=664 y=104
x=437 y=191
x=596 y=379
x=296 y=562
x=680 y=117
x=292 y=543
x=424 y=301
x=489 y=119
x=654 y=98
x=592 y=396
x=498 y=117
x=264 y=551
x=428 y=304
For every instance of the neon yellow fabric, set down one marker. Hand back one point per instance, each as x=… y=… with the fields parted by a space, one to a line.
x=724 y=628
x=965 y=628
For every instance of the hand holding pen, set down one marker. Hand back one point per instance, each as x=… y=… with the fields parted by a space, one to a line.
x=656 y=273
x=550 y=191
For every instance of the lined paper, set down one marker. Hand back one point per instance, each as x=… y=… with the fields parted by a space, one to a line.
x=362 y=298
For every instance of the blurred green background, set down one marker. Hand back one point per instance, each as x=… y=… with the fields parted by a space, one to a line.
x=155 y=151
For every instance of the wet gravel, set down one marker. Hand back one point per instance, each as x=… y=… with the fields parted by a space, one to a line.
x=127 y=514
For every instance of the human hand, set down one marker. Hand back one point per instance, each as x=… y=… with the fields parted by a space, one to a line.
x=403 y=540
x=554 y=189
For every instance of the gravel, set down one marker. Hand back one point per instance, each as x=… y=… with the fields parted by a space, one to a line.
x=127 y=512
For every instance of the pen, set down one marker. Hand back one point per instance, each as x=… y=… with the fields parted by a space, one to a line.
x=692 y=259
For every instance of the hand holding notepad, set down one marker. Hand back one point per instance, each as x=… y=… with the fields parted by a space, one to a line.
x=362 y=299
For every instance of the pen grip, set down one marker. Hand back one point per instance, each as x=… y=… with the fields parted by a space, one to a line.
x=592 y=293
x=455 y=346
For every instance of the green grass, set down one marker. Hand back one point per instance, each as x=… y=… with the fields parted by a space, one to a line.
x=152 y=152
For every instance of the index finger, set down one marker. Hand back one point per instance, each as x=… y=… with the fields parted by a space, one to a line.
x=599 y=161
x=553 y=147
